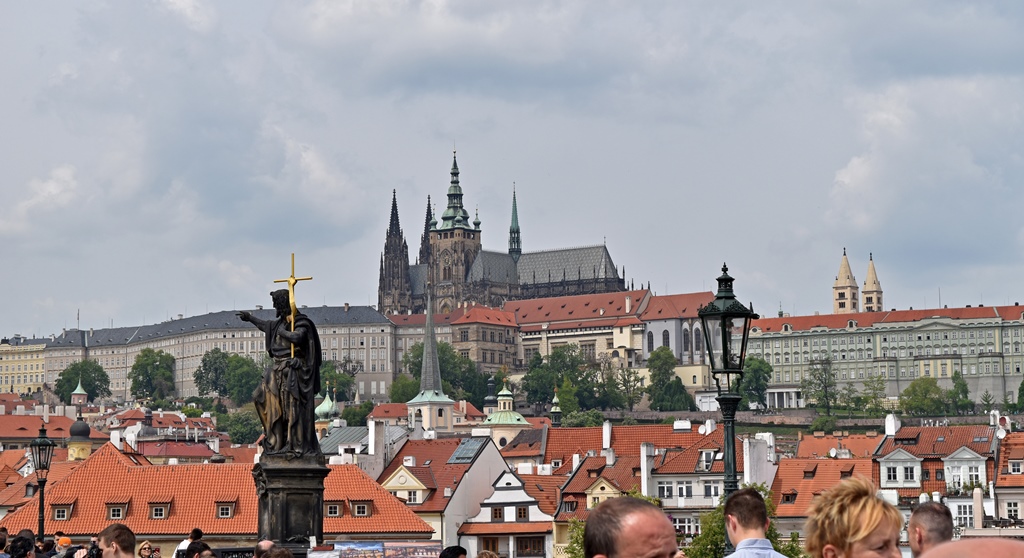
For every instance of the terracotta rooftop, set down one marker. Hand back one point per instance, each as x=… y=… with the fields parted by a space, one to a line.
x=240 y=454
x=14 y=495
x=175 y=449
x=26 y=428
x=485 y=315
x=866 y=319
x=798 y=480
x=593 y=310
x=1011 y=448
x=688 y=459
x=431 y=457
x=562 y=443
x=506 y=528
x=860 y=445
x=546 y=489
x=389 y=410
x=676 y=306
x=90 y=490
x=940 y=441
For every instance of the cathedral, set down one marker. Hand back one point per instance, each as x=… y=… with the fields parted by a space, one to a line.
x=453 y=264
x=845 y=292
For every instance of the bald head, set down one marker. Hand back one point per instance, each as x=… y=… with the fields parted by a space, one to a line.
x=262 y=548
x=984 y=547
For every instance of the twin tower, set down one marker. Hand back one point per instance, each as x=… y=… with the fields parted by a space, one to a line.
x=846 y=294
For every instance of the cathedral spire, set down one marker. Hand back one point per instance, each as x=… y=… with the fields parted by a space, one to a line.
x=394 y=227
x=845 y=293
x=455 y=216
x=515 y=243
x=428 y=223
x=872 y=292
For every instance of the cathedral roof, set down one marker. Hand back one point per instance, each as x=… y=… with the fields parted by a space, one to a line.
x=418 y=278
x=497 y=267
x=588 y=262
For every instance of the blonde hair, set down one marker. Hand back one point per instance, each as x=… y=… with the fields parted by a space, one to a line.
x=144 y=544
x=845 y=514
x=486 y=554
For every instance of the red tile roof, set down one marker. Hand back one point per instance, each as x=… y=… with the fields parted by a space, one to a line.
x=860 y=445
x=240 y=454
x=485 y=315
x=546 y=489
x=940 y=441
x=687 y=460
x=539 y=422
x=175 y=449
x=432 y=456
x=389 y=410
x=623 y=474
x=595 y=310
x=676 y=306
x=26 y=427
x=790 y=480
x=562 y=443
x=14 y=495
x=109 y=477
x=1010 y=448
x=865 y=319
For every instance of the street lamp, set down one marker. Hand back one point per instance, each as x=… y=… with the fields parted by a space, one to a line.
x=726 y=324
x=42 y=454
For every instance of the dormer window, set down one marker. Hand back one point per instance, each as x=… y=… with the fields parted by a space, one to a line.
x=61 y=513
x=789 y=498
x=225 y=511
x=115 y=513
x=361 y=509
x=333 y=509
x=1015 y=467
x=158 y=512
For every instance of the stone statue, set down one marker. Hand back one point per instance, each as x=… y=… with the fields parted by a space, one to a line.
x=285 y=398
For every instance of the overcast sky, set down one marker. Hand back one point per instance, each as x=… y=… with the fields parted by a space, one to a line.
x=166 y=157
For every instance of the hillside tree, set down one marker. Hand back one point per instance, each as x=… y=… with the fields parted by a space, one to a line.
x=94 y=380
x=152 y=375
x=819 y=385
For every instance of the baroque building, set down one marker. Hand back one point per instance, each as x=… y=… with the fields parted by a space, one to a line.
x=452 y=260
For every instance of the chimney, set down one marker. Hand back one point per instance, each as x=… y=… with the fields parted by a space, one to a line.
x=409 y=461
x=606 y=435
x=609 y=456
x=346 y=307
x=646 y=464
x=575 y=461
x=629 y=304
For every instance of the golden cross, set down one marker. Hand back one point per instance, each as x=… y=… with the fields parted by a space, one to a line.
x=292 y=280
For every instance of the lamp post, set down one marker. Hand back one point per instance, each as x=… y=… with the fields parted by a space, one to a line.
x=726 y=324
x=42 y=454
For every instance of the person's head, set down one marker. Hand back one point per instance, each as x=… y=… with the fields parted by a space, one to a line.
x=208 y=553
x=63 y=543
x=282 y=303
x=980 y=547
x=116 y=541
x=195 y=535
x=47 y=546
x=486 y=554
x=617 y=520
x=262 y=548
x=195 y=548
x=145 y=549
x=23 y=547
x=453 y=552
x=279 y=552
x=930 y=524
x=3 y=540
x=746 y=516
x=849 y=520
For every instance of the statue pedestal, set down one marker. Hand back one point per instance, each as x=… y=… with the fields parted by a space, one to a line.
x=291 y=498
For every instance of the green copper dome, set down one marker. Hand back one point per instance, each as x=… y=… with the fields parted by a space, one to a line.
x=325 y=409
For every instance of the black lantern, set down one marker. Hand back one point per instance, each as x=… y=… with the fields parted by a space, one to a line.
x=726 y=323
x=42 y=454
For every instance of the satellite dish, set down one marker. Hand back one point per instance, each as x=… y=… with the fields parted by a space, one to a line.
x=702 y=429
x=832 y=452
x=1000 y=433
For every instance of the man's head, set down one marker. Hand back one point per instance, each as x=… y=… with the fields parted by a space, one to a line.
x=930 y=524
x=63 y=543
x=117 y=541
x=262 y=548
x=618 y=520
x=195 y=535
x=745 y=515
x=281 y=302
x=279 y=552
x=23 y=547
x=194 y=549
x=453 y=552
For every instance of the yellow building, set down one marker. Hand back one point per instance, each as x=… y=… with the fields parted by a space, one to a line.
x=22 y=365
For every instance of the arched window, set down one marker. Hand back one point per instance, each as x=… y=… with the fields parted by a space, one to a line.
x=650 y=341
x=664 y=338
x=686 y=342
x=698 y=344
x=440 y=413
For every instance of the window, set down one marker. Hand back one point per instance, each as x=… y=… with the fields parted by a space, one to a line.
x=594 y=501
x=710 y=489
x=333 y=510
x=498 y=514
x=490 y=544
x=361 y=510
x=940 y=474
x=115 y=512
x=789 y=498
x=522 y=513
x=924 y=474
x=908 y=473
x=890 y=474
x=225 y=511
x=158 y=512
x=664 y=338
x=664 y=489
x=650 y=341
x=965 y=515
x=973 y=475
x=530 y=546
x=60 y=514
x=412 y=496
x=1015 y=467
x=686 y=489
x=1013 y=510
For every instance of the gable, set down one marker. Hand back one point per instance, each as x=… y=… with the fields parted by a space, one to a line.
x=899 y=455
x=403 y=479
x=964 y=453
x=508 y=481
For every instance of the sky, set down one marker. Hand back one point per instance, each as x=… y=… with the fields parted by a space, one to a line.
x=167 y=157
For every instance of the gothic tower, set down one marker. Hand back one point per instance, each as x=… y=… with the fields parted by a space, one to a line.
x=424 y=257
x=872 y=292
x=844 y=290
x=454 y=244
x=515 y=243
x=431 y=407
x=394 y=293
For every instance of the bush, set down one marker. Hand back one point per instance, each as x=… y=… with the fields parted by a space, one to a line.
x=825 y=424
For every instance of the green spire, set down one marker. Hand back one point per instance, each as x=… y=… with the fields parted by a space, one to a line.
x=430 y=376
x=79 y=390
x=515 y=243
x=455 y=216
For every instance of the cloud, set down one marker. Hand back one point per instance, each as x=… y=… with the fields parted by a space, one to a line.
x=43 y=198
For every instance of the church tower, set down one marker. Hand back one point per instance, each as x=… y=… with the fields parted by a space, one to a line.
x=872 y=292
x=394 y=292
x=844 y=290
x=428 y=222
x=515 y=243
x=454 y=244
x=431 y=407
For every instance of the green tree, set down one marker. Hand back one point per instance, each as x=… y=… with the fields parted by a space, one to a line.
x=819 y=385
x=591 y=417
x=630 y=386
x=754 y=387
x=459 y=375
x=959 y=396
x=1007 y=405
x=191 y=412
x=567 y=398
x=404 y=388
x=94 y=379
x=243 y=426
x=340 y=377
x=607 y=391
x=874 y=392
x=666 y=390
x=152 y=375
x=923 y=396
x=848 y=397
x=211 y=376
x=987 y=401
x=241 y=380
x=824 y=424
x=539 y=383
x=355 y=415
